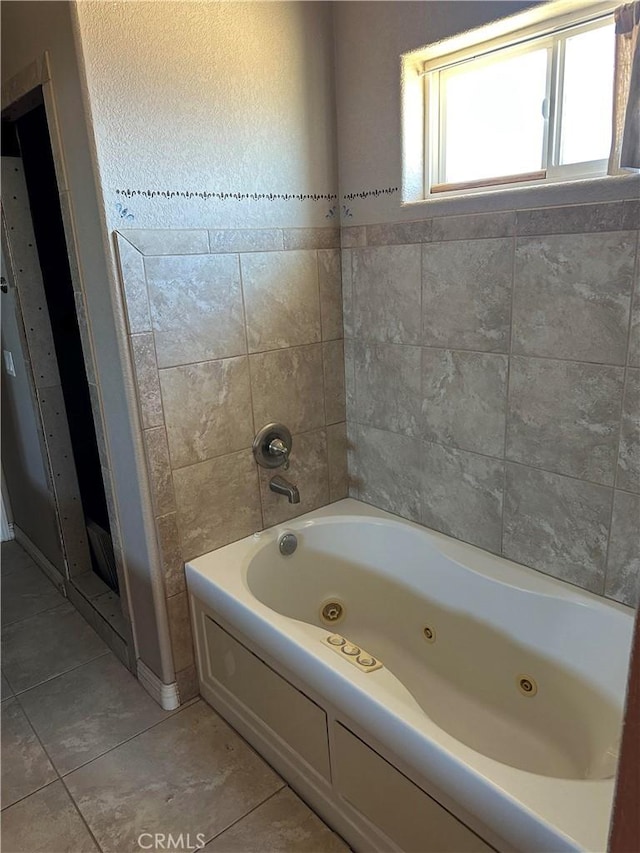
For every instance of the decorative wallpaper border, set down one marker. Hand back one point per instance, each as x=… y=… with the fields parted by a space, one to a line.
x=371 y=193
x=206 y=195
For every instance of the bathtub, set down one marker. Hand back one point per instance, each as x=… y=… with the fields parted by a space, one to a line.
x=487 y=712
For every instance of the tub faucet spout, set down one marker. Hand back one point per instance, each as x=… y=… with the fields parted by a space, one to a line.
x=283 y=487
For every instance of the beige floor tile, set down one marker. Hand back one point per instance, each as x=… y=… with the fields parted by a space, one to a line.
x=47 y=645
x=191 y=773
x=25 y=766
x=284 y=824
x=84 y=713
x=25 y=592
x=45 y=822
x=13 y=557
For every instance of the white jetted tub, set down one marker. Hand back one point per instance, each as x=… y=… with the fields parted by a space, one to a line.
x=463 y=702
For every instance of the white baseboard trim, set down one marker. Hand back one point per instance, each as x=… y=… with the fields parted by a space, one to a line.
x=56 y=578
x=166 y=695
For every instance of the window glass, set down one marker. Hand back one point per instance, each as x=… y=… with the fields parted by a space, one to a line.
x=493 y=121
x=587 y=100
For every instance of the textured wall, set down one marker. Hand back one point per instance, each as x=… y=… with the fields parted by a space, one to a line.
x=493 y=383
x=230 y=330
x=211 y=97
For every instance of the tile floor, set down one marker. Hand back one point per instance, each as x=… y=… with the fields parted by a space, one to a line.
x=91 y=763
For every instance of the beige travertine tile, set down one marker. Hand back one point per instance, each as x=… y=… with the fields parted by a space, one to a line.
x=631 y=214
x=330 y=281
x=287 y=386
x=466 y=294
x=134 y=286
x=159 y=468
x=246 y=239
x=570 y=219
x=25 y=766
x=557 y=524
x=283 y=824
x=473 y=226
x=308 y=471
x=629 y=453
x=196 y=308
x=388 y=386
x=26 y=593
x=386 y=292
x=44 y=822
x=464 y=399
x=347 y=293
x=180 y=630
x=337 y=458
x=353 y=236
x=397 y=233
x=350 y=347
x=572 y=295
x=188 y=687
x=462 y=495
x=282 y=300
x=168 y=241
x=14 y=558
x=233 y=480
x=634 y=335
x=172 y=564
x=46 y=645
x=385 y=470
x=623 y=560
x=564 y=416
x=207 y=409
x=311 y=238
x=5 y=688
x=190 y=773
x=334 y=381
x=146 y=369
x=84 y=713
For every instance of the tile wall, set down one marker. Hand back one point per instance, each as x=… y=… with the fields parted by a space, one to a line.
x=231 y=329
x=493 y=383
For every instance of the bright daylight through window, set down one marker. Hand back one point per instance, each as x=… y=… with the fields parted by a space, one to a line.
x=532 y=112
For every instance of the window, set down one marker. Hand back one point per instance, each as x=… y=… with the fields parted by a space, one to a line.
x=525 y=111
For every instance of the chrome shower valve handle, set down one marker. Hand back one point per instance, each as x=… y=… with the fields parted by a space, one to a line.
x=272 y=446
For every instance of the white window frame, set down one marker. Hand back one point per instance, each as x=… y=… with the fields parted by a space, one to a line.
x=546 y=25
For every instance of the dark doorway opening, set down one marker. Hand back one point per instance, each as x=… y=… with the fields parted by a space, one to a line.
x=27 y=135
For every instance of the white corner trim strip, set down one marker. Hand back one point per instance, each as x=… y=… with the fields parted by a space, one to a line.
x=166 y=695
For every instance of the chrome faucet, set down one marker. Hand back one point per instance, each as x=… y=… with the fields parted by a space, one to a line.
x=283 y=487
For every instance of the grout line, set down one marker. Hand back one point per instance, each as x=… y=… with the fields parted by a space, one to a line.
x=82 y=818
x=59 y=779
x=26 y=796
x=169 y=715
x=66 y=671
x=634 y=276
x=251 y=810
x=254 y=429
x=507 y=352
x=504 y=460
x=508 y=389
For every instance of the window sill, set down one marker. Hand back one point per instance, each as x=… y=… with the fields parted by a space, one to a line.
x=601 y=189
